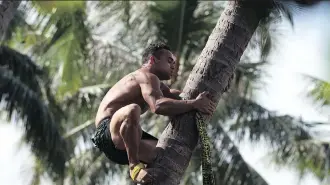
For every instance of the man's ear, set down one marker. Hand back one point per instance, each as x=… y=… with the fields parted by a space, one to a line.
x=154 y=59
x=151 y=60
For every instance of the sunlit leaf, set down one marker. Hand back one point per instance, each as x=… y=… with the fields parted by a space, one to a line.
x=58 y=6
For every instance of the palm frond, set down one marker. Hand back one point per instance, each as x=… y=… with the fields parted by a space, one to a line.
x=80 y=110
x=41 y=132
x=91 y=167
x=320 y=92
x=22 y=67
x=230 y=166
x=156 y=23
x=79 y=129
x=108 y=62
x=246 y=75
x=37 y=172
x=192 y=21
x=286 y=135
x=115 y=10
x=173 y=20
x=308 y=155
x=69 y=46
x=18 y=21
x=59 y=7
x=66 y=41
x=229 y=162
x=257 y=122
x=269 y=31
x=86 y=98
x=32 y=75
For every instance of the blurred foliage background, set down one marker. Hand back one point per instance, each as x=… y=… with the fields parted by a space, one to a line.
x=58 y=59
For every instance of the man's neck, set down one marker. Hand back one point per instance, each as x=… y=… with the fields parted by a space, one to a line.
x=148 y=68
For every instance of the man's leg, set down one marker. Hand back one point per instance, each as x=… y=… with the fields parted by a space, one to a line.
x=147 y=152
x=126 y=134
x=131 y=133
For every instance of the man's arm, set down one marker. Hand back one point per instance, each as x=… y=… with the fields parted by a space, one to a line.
x=159 y=104
x=170 y=93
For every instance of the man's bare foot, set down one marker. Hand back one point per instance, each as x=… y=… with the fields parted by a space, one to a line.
x=139 y=174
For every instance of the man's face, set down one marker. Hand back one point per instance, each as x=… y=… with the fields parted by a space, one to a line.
x=165 y=65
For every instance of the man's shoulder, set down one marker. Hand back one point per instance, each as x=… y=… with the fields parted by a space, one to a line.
x=145 y=77
x=149 y=76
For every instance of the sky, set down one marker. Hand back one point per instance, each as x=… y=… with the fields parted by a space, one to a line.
x=299 y=51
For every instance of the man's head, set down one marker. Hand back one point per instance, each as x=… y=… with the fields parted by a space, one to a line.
x=159 y=58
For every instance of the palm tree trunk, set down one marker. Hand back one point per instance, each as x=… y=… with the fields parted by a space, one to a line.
x=7 y=12
x=212 y=73
x=179 y=44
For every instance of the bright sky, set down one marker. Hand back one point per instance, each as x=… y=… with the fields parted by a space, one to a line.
x=300 y=51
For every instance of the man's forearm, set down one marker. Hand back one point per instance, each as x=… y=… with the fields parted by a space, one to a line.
x=172 y=93
x=172 y=107
x=175 y=94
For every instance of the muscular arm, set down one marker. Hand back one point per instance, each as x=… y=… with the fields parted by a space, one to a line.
x=170 y=93
x=159 y=104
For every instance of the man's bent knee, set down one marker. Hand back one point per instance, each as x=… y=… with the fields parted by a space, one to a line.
x=128 y=115
x=133 y=112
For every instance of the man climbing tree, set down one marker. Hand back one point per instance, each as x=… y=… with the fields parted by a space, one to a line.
x=212 y=72
x=119 y=134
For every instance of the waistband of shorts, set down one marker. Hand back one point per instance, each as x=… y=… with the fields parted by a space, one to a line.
x=105 y=120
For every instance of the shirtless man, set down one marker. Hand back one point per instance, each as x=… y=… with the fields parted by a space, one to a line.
x=119 y=133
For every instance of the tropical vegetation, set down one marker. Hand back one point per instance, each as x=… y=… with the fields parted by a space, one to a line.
x=59 y=58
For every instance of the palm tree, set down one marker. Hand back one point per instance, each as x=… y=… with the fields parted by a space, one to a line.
x=70 y=104
x=25 y=92
x=26 y=85
x=163 y=22
x=90 y=166
x=309 y=154
x=212 y=72
x=163 y=19
x=69 y=36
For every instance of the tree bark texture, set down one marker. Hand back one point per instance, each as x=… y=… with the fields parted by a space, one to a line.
x=212 y=72
x=8 y=9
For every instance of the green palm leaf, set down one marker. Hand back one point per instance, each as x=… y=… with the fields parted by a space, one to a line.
x=59 y=7
x=18 y=21
x=62 y=41
x=21 y=66
x=85 y=101
x=41 y=132
x=320 y=92
x=309 y=155
x=31 y=75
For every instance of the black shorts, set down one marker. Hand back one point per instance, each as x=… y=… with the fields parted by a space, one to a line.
x=102 y=140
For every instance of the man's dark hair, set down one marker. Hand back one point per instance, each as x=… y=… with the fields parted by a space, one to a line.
x=154 y=49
